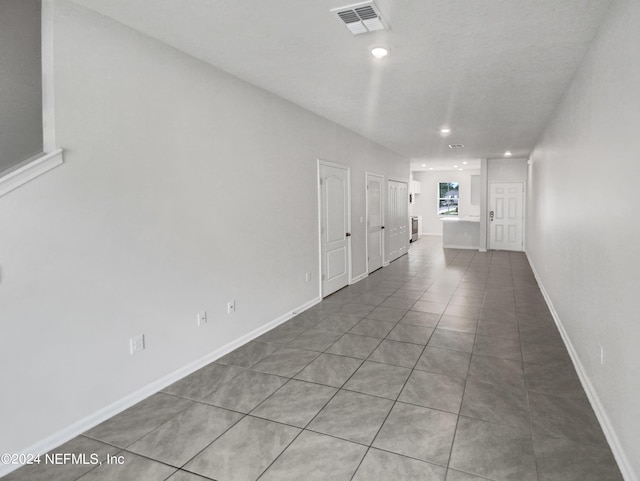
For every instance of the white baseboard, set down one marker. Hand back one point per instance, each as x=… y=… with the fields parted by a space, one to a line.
x=459 y=247
x=437 y=234
x=614 y=442
x=358 y=278
x=117 y=407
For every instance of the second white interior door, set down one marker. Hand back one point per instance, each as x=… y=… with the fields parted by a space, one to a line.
x=375 y=221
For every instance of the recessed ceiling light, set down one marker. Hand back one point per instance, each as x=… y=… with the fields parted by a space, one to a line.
x=424 y=165
x=465 y=163
x=445 y=131
x=455 y=166
x=459 y=169
x=430 y=168
x=379 y=52
x=508 y=153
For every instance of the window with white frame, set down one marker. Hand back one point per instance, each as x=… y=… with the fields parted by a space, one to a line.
x=448 y=194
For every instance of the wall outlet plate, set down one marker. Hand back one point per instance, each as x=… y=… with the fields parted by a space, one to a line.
x=231 y=307
x=202 y=318
x=136 y=344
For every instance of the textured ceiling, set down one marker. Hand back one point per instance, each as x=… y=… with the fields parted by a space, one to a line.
x=492 y=70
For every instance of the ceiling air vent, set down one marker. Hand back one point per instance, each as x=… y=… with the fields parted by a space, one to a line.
x=456 y=146
x=361 y=17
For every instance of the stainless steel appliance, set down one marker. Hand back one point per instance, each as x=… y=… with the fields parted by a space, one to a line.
x=414 y=229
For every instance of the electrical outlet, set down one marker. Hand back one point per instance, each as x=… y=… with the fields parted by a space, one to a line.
x=231 y=307
x=136 y=344
x=202 y=318
x=307 y=277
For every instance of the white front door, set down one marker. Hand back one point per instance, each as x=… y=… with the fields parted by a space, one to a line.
x=375 y=226
x=505 y=216
x=334 y=226
x=397 y=220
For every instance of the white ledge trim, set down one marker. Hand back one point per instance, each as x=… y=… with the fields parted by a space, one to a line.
x=33 y=168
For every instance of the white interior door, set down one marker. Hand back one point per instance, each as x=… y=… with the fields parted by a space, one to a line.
x=334 y=227
x=375 y=221
x=397 y=220
x=505 y=215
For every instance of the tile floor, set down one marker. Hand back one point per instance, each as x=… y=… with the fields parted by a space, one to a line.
x=446 y=365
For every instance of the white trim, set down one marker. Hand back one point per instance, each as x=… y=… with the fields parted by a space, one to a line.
x=32 y=168
x=358 y=278
x=474 y=248
x=437 y=234
x=605 y=423
x=126 y=402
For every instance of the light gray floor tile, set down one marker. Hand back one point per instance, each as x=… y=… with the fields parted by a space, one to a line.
x=444 y=361
x=184 y=436
x=540 y=333
x=243 y=452
x=569 y=418
x=382 y=466
x=494 y=451
x=498 y=371
x=378 y=379
x=555 y=379
x=457 y=341
x=418 y=432
x=352 y=416
x=79 y=445
x=203 y=381
x=286 y=362
x=410 y=333
x=388 y=314
x=285 y=333
x=498 y=403
x=440 y=298
x=424 y=319
x=330 y=370
x=459 y=324
x=133 y=423
x=245 y=391
x=397 y=353
x=316 y=457
x=133 y=468
x=433 y=390
x=496 y=347
x=353 y=345
x=249 y=354
x=544 y=354
x=338 y=323
x=411 y=294
x=185 y=476
x=426 y=306
x=498 y=328
x=370 y=299
x=472 y=312
x=453 y=475
x=295 y=403
x=315 y=340
x=373 y=328
x=563 y=460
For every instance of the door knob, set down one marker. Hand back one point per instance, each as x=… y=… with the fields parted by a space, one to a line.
x=382 y=227
x=348 y=234
x=491 y=216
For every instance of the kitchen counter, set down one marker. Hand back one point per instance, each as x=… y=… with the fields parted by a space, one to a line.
x=461 y=232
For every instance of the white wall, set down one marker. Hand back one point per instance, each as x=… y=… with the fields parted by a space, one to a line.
x=507 y=170
x=426 y=202
x=20 y=82
x=183 y=188
x=583 y=236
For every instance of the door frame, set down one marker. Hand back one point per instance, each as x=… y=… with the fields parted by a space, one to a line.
x=328 y=163
x=524 y=211
x=405 y=182
x=366 y=213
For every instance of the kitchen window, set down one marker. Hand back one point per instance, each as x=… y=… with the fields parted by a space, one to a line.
x=448 y=194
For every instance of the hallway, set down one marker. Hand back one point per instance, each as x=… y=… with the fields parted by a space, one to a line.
x=444 y=365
